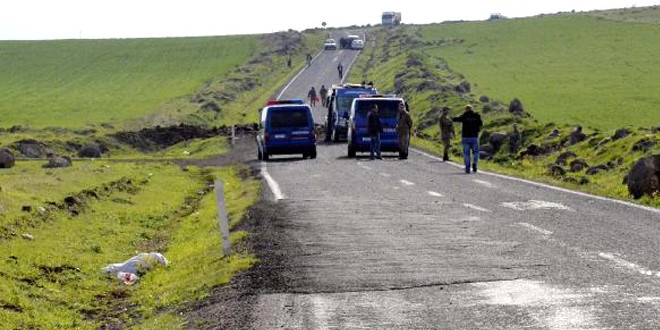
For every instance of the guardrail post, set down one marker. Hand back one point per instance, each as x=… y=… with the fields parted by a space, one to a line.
x=222 y=217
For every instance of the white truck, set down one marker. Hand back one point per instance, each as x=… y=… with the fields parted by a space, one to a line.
x=391 y=18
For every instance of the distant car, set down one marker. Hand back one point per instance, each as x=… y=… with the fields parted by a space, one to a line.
x=357 y=44
x=286 y=128
x=358 y=134
x=330 y=44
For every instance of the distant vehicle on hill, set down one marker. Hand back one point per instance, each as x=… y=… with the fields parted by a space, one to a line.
x=345 y=42
x=391 y=18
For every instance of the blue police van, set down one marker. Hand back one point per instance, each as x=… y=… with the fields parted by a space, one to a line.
x=358 y=133
x=339 y=105
x=286 y=127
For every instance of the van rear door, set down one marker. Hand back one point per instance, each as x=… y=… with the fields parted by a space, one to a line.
x=290 y=126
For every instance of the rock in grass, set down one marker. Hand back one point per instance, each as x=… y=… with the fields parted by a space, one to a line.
x=7 y=159
x=57 y=161
x=90 y=151
x=578 y=165
x=644 y=177
x=621 y=133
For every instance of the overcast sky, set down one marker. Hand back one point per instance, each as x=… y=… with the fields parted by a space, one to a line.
x=91 y=19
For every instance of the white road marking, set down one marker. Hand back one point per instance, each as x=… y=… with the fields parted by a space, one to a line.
x=484 y=183
x=407 y=183
x=385 y=174
x=436 y=194
x=272 y=184
x=474 y=207
x=365 y=167
x=627 y=264
x=535 y=228
x=578 y=193
x=535 y=205
x=551 y=306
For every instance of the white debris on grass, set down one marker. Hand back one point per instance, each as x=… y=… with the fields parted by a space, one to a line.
x=128 y=271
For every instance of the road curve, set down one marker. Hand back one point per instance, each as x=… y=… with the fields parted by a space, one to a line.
x=418 y=244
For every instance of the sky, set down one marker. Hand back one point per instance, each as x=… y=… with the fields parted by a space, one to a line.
x=102 y=19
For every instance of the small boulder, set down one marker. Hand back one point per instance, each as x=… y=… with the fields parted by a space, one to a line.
x=597 y=169
x=554 y=133
x=7 y=159
x=31 y=148
x=484 y=99
x=644 y=145
x=90 y=151
x=563 y=158
x=556 y=170
x=516 y=107
x=578 y=165
x=644 y=177
x=621 y=133
x=584 y=180
x=57 y=162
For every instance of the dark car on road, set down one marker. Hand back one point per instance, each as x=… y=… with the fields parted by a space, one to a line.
x=358 y=133
x=286 y=127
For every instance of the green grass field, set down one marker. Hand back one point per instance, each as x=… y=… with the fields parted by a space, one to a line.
x=82 y=83
x=570 y=68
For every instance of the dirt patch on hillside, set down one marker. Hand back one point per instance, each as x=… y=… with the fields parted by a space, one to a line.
x=157 y=138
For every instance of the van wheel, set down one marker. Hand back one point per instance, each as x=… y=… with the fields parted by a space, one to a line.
x=403 y=155
x=335 y=136
x=312 y=155
x=351 y=151
x=265 y=156
x=259 y=156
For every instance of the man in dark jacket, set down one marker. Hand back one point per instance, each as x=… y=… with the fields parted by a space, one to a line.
x=375 y=129
x=470 y=136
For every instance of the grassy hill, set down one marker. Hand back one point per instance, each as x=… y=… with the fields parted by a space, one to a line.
x=81 y=83
x=570 y=68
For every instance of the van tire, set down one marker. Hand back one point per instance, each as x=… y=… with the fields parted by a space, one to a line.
x=335 y=136
x=351 y=151
x=259 y=156
x=312 y=154
x=265 y=156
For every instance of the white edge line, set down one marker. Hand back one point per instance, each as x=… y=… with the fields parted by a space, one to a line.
x=436 y=194
x=535 y=228
x=627 y=264
x=406 y=182
x=474 y=207
x=272 y=184
x=538 y=184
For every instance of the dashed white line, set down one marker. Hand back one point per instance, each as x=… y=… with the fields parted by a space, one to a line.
x=475 y=207
x=407 y=183
x=538 y=184
x=365 y=167
x=535 y=205
x=272 y=184
x=387 y=175
x=436 y=194
x=627 y=264
x=484 y=183
x=535 y=228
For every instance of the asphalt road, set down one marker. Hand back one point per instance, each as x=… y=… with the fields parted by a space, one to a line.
x=419 y=244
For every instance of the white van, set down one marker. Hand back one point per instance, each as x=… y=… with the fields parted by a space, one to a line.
x=357 y=44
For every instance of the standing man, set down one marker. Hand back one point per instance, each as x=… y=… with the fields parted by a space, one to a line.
x=375 y=129
x=403 y=127
x=312 y=96
x=340 y=69
x=446 y=132
x=470 y=136
x=324 y=93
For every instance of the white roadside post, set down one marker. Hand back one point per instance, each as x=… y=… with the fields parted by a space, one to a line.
x=233 y=134
x=222 y=217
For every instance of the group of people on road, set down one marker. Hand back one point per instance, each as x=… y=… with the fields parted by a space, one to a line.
x=312 y=97
x=470 y=120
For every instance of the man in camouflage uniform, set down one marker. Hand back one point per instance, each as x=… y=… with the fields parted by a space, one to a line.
x=446 y=132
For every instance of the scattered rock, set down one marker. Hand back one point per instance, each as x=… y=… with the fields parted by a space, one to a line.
x=31 y=148
x=7 y=159
x=516 y=107
x=497 y=139
x=644 y=177
x=556 y=170
x=426 y=85
x=57 y=161
x=484 y=99
x=577 y=136
x=578 y=165
x=621 y=133
x=534 y=150
x=584 y=180
x=644 y=145
x=28 y=237
x=210 y=106
x=463 y=88
x=563 y=158
x=90 y=151
x=554 y=133
x=413 y=61
x=597 y=169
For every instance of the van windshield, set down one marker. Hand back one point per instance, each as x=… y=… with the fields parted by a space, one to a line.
x=289 y=118
x=386 y=108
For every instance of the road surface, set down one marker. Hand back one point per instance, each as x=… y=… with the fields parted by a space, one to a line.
x=419 y=244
